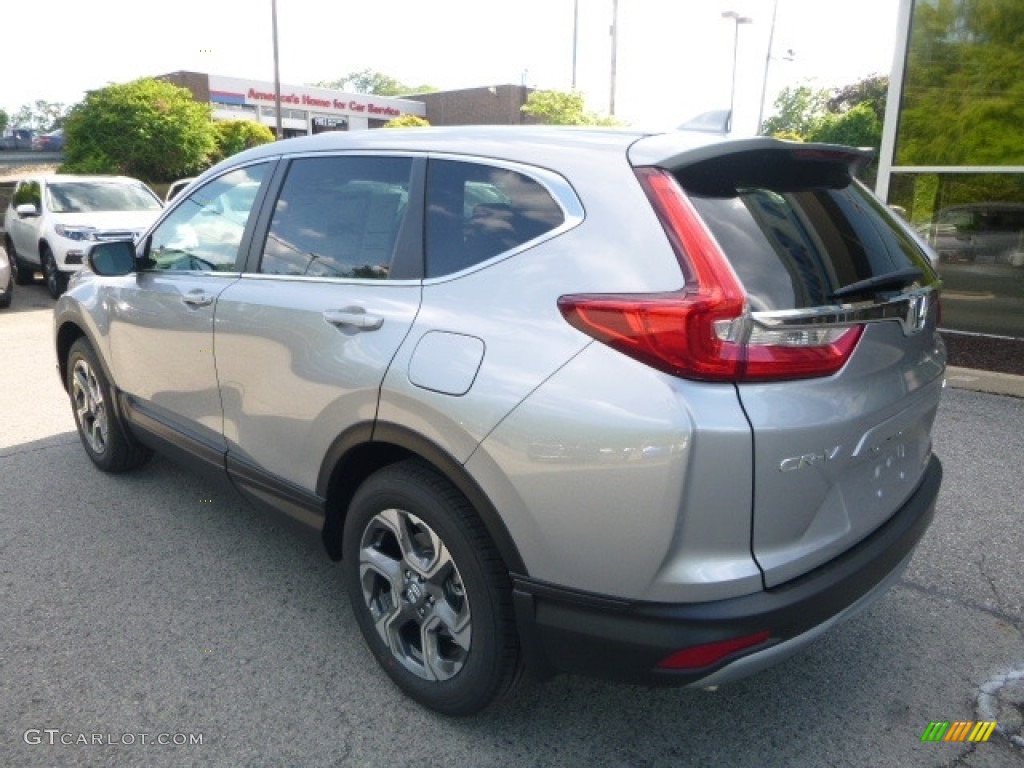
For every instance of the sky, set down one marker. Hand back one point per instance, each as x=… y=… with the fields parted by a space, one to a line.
x=673 y=59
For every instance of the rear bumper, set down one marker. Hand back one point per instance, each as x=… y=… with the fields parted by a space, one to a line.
x=567 y=631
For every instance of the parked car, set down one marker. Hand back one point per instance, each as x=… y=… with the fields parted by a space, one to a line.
x=655 y=407
x=51 y=221
x=17 y=138
x=990 y=232
x=6 y=280
x=49 y=142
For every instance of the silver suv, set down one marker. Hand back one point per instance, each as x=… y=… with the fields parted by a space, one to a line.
x=650 y=407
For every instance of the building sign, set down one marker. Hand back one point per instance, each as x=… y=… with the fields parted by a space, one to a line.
x=231 y=90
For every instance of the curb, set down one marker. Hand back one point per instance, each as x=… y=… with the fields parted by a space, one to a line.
x=985 y=381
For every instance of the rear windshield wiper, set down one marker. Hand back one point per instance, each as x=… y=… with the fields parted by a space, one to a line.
x=890 y=281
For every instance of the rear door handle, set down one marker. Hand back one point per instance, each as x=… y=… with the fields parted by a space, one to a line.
x=353 y=317
x=197 y=298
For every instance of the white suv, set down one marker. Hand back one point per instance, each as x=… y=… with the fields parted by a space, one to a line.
x=52 y=221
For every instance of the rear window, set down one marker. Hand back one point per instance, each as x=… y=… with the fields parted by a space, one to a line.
x=793 y=244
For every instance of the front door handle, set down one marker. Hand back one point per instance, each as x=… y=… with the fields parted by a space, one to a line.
x=197 y=298
x=353 y=317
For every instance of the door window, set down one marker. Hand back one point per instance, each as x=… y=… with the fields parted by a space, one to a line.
x=204 y=231
x=338 y=217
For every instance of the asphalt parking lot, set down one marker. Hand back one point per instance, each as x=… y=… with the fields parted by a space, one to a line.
x=157 y=605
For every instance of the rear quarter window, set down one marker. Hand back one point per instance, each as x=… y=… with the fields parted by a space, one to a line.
x=477 y=211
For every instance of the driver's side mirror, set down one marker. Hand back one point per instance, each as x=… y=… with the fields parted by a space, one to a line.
x=26 y=209
x=114 y=258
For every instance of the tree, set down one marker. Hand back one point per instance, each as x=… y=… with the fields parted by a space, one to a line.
x=407 y=121
x=233 y=136
x=798 y=109
x=857 y=127
x=562 y=108
x=374 y=82
x=3 y=120
x=40 y=116
x=871 y=91
x=148 y=128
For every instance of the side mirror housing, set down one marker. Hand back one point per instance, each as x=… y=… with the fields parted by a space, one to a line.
x=26 y=209
x=114 y=258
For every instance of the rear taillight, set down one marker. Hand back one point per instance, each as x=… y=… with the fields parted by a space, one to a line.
x=703 y=331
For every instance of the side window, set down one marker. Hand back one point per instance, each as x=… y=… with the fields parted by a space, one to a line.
x=205 y=230
x=476 y=211
x=338 y=217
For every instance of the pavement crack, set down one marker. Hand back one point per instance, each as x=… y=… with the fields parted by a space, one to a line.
x=991 y=584
x=999 y=612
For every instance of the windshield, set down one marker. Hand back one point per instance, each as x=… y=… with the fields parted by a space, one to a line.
x=89 y=196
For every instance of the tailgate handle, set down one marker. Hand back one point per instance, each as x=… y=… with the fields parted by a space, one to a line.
x=353 y=317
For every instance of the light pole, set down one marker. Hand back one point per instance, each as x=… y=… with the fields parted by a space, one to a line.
x=615 y=45
x=575 y=37
x=737 y=20
x=277 y=71
x=764 y=81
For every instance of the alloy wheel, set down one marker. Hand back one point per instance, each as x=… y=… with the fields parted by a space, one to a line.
x=90 y=409
x=415 y=595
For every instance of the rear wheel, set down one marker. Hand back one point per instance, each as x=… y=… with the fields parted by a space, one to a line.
x=56 y=281
x=108 y=443
x=430 y=592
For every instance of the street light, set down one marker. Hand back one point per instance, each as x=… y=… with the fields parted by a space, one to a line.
x=276 y=71
x=737 y=20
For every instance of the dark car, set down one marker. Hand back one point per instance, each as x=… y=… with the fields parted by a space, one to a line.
x=49 y=142
x=984 y=232
x=17 y=138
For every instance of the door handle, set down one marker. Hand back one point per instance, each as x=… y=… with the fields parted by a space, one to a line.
x=197 y=299
x=353 y=317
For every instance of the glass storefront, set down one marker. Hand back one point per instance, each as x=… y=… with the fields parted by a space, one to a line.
x=958 y=167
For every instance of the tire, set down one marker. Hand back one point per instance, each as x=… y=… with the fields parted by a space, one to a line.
x=23 y=273
x=430 y=593
x=8 y=294
x=56 y=281
x=104 y=436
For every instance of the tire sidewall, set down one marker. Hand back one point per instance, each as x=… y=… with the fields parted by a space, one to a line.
x=478 y=681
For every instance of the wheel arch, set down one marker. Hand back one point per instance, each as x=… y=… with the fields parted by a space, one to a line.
x=366 y=448
x=67 y=334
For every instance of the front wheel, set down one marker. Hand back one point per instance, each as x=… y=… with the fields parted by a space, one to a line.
x=105 y=438
x=56 y=281
x=429 y=590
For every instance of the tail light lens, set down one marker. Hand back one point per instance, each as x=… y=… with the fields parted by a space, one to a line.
x=704 y=330
x=698 y=656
